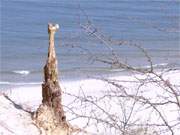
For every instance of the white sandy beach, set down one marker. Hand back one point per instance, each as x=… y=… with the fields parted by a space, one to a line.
x=15 y=121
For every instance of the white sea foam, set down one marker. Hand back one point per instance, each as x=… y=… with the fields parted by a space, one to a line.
x=4 y=82
x=156 y=65
x=161 y=64
x=22 y=72
x=20 y=83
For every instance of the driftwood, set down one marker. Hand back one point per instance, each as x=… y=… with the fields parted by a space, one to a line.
x=51 y=90
x=50 y=117
x=50 y=114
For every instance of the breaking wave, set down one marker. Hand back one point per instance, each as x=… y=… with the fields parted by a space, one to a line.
x=19 y=83
x=22 y=72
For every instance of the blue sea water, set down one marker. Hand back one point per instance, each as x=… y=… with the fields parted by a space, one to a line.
x=154 y=24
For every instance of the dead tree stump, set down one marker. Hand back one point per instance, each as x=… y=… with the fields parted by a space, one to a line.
x=50 y=114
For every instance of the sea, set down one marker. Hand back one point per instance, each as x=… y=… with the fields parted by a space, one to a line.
x=91 y=32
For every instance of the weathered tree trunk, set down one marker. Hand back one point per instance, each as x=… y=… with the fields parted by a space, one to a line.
x=51 y=90
x=50 y=115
